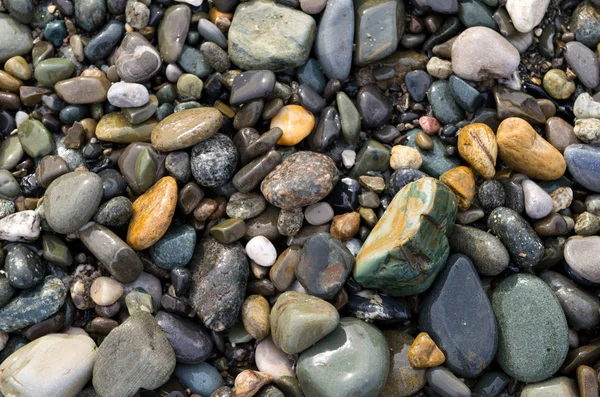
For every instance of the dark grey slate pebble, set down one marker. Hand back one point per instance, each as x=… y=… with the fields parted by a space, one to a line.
x=334 y=39
x=23 y=267
x=583 y=162
x=210 y=32
x=374 y=107
x=102 y=44
x=491 y=195
x=487 y=252
x=177 y=165
x=514 y=196
x=252 y=84
x=444 y=107
x=214 y=160
x=175 y=248
x=190 y=340
x=417 y=84
x=113 y=183
x=90 y=14
x=466 y=96
x=402 y=177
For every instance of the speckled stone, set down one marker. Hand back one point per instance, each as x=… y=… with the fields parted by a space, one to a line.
x=23 y=267
x=409 y=239
x=489 y=255
x=214 y=160
x=532 y=329
x=215 y=264
x=33 y=305
x=116 y=212
x=457 y=314
x=338 y=366
x=245 y=205
x=302 y=179
x=267 y=35
x=523 y=244
x=175 y=248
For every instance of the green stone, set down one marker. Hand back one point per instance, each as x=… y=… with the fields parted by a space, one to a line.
x=142 y=113
x=444 y=107
x=269 y=391
x=11 y=152
x=289 y=385
x=409 y=245
x=145 y=170
x=299 y=320
x=186 y=105
x=193 y=61
x=164 y=111
x=532 y=329
x=115 y=127
x=349 y=117
x=353 y=360
x=90 y=15
x=585 y=23
x=20 y=42
x=379 y=28
x=56 y=251
x=189 y=86
x=435 y=162
x=238 y=334
x=267 y=35
x=372 y=157
x=175 y=248
x=229 y=230
x=35 y=138
x=138 y=300
x=52 y=70
x=9 y=187
x=166 y=94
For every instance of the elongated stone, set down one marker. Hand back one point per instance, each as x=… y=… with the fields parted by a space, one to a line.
x=114 y=127
x=186 y=128
x=172 y=32
x=333 y=44
x=83 y=90
x=20 y=226
x=408 y=246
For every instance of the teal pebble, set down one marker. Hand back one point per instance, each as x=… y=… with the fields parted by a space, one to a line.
x=201 y=378
x=175 y=248
x=55 y=32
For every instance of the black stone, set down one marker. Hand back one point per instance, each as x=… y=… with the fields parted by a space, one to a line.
x=328 y=129
x=386 y=134
x=402 y=177
x=6 y=291
x=458 y=316
x=102 y=44
x=113 y=184
x=214 y=160
x=491 y=195
x=23 y=267
x=310 y=99
x=7 y=123
x=374 y=107
x=181 y=279
x=514 y=196
x=344 y=196
x=370 y=306
x=190 y=341
x=250 y=85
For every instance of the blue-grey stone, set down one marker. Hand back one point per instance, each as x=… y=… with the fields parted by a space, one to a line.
x=175 y=248
x=21 y=10
x=90 y=14
x=444 y=107
x=466 y=96
x=417 y=83
x=103 y=43
x=475 y=13
x=55 y=32
x=210 y=32
x=583 y=162
x=311 y=75
x=201 y=378
x=33 y=305
x=379 y=28
x=335 y=37
x=435 y=162
x=192 y=61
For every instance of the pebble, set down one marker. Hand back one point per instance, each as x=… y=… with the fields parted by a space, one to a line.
x=171 y=31
x=255 y=316
x=152 y=214
x=560 y=386
x=190 y=341
x=127 y=95
x=405 y=157
x=23 y=267
x=526 y=14
x=424 y=353
x=538 y=203
x=214 y=160
x=559 y=133
x=458 y=289
x=261 y=251
x=217 y=264
x=581 y=255
x=248 y=382
x=477 y=146
x=82 y=90
x=116 y=212
x=175 y=248
x=202 y=378
x=138 y=60
x=299 y=320
x=319 y=368
x=71 y=200
x=401 y=275
x=187 y=128
x=443 y=382
x=586 y=130
x=35 y=139
x=275 y=46
x=272 y=361
x=403 y=380
x=334 y=39
x=583 y=62
x=26 y=371
x=522 y=149
x=557 y=84
x=582 y=161
x=21 y=41
x=21 y=226
x=487 y=252
x=135 y=355
x=532 y=337
x=499 y=61
x=374 y=107
x=105 y=291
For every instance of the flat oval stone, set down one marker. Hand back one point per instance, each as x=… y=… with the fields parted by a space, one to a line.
x=379 y=27
x=522 y=149
x=128 y=165
x=117 y=257
x=337 y=364
x=324 y=266
x=211 y=33
x=250 y=85
x=485 y=250
x=283 y=43
x=52 y=70
x=35 y=139
x=172 y=32
x=532 y=329
x=33 y=305
x=396 y=264
x=302 y=179
x=114 y=127
x=21 y=41
x=499 y=60
x=90 y=14
x=190 y=341
x=560 y=386
x=519 y=238
x=83 y=90
x=152 y=214
x=103 y=42
x=127 y=95
x=9 y=186
x=295 y=122
x=582 y=255
x=203 y=378
x=458 y=290
x=214 y=265
x=134 y=355
x=271 y=360
x=444 y=107
x=175 y=248
x=335 y=35
x=477 y=145
x=374 y=107
x=299 y=320
x=445 y=383
x=583 y=62
x=26 y=371
x=71 y=200
x=584 y=164
x=582 y=309
x=186 y=128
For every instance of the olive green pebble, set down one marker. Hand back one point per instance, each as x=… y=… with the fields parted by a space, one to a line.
x=18 y=67
x=35 y=138
x=189 y=86
x=56 y=251
x=11 y=152
x=229 y=230
x=557 y=84
x=145 y=170
x=50 y=71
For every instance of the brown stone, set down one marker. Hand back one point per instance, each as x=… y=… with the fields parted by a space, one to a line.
x=9 y=83
x=424 y=353
x=560 y=134
x=152 y=214
x=205 y=208
x=403 y=380
x=114 y=127
x=255 y=316
x=477 y=146
x=282 y=273
x=344 y=227
x=249 y=382
x=522 y=149
x=83 y=90
x=587 y=381
x=186 y=128
x=462 y=183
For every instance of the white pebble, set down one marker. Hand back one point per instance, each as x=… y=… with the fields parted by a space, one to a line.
x=127 y=95
x=21 y=117
x=20 y=226
x=261 y=251
x=348 y=158
x=318 y=213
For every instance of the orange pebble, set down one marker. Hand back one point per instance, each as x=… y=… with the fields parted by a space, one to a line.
x=215 y=13
x=424 y=353
x=295 y=122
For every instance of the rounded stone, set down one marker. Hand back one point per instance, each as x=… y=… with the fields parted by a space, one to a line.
x=186 y=128
x=105 y=291
x=214 y=160
x=295 y=122
x=175 y=248
x=71 y=200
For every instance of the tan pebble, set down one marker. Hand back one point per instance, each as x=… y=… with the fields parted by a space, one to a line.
x=374 y=183
x=561 y=198
x=344 y=227
x=18 y=67
x=525 y=151
x=477 y=146
x=9 y=83
x=424 y=141
x=105 y=291
x=405 y=157
x=424 y=353
x=587 y=381
x=249 y=382
x=255 y=316
x=368 y=216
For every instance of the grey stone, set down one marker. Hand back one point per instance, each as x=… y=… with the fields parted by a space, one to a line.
x=335 y=35
x=584 y=63
x=190 y=340
x=487 y=252
x=137 y=59
x=20 y=42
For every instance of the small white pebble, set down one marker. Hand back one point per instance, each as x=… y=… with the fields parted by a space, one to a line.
x=21 y=117
x=261 y=251
x=348 y=158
